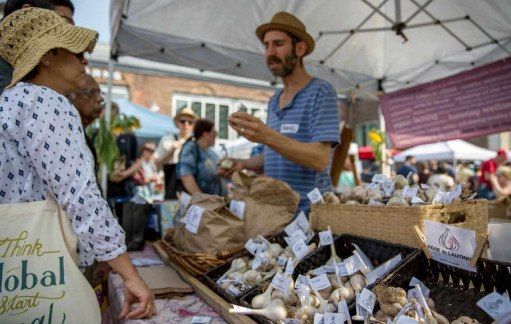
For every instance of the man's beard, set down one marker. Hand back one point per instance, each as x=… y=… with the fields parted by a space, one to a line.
x=288 y=65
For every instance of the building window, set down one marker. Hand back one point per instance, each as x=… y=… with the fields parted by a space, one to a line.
x=217 y=110
x=363 y=129
x=118 y=92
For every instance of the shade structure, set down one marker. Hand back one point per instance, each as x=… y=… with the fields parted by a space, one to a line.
x=447 y=151
x=153 y=125
x=360 y=44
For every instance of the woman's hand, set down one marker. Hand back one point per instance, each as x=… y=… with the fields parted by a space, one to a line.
x=136 y=291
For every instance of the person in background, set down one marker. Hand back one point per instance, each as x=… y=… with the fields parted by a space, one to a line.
x=423 y=172
x=464 y=173
x=166 y=155
x=346 y=179
x=197 y=167
x=449 y=169
x=64 y=8
x=485 y=188
x=501 y=181
x=433 y=166
x=407 y=167
x=149 y=169
x=89 y=103
x=44 y=154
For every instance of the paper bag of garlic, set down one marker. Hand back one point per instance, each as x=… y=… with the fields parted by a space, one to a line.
x=383 y=191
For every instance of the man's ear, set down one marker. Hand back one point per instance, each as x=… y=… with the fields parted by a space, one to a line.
x=300 y=49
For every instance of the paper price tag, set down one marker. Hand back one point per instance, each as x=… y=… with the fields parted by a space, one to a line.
x=233 y=291
x=383 y=269
x=302 y=281
x=259 y=260
x=325 y=238
x=289 y=241
x=415 y=281
x=315 y=196
x=409 y=192
x=496 y=305
x=403 y=319
x=302 y=222
x=379 y=178
x=388 y=187
x=373 y=186
x=281 y=261
x=350 y=265
x=342 y=308
x=417 y=201
x=237 y=207
x=200 y=320
x=281 y=282
x=300 y=249
x=298 y=236
x=361 y=311
x=193 y=218
x=289 y=267
x=291 y=228
x=320 y=282
x=333 y=318
x=252 y=246
x=319 y=271
x=184 y=199
x=367 y=299
x=318 y=318
x=412 y=294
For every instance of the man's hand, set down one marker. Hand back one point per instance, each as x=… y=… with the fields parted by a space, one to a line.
x=251 y=128
x=227 y=173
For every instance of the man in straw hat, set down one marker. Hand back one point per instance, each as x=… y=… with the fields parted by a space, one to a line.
x=303 y=120
x=63 y=8
x=167 y=153
x=44 y=154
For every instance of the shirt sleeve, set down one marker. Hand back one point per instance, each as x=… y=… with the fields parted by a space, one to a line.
x=56 y=149
x=325 y=118
x=188 y=160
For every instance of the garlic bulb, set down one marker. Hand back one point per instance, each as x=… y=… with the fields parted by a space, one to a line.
x=289 y=299
x=430 y=193
x=339 y=294
x=397 y=201
x=275 y=249
x=464 y=320
x=235 y=276
x=252 y=277
x=347 y=285
x=325 y=293
x=306 y=313
x=226 y=164
x=400 y=182
x=314 y=301
x=262 y=300
x=274 y=311
x=331 y=198
x=352 y=202
x=358 y=282
x=391 y=309
x=237 y=265
x=333 y=280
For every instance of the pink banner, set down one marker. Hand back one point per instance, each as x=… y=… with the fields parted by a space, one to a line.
x=469 y=104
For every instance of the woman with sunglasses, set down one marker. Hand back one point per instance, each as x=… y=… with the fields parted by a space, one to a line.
x=48 y=189
x=167 y=153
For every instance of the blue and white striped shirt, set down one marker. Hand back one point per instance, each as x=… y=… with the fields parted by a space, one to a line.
x=312 y=116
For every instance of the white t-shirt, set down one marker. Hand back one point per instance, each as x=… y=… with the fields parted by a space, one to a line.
x=168 y=143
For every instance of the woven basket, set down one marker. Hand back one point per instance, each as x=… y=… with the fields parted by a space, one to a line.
x=394 y=224
x=455 y=291
x=196 y=264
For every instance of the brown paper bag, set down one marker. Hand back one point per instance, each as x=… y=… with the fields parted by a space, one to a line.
x=270 y=204
x=219 y=230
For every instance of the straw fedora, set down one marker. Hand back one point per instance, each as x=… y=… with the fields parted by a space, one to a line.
x=286 y=22
x=27 y=34
x=186 y=112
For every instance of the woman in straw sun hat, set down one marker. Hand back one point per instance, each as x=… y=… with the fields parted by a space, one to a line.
x=47 y=169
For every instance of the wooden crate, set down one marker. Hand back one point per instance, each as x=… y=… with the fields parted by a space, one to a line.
x=211 y=298
x=394 y=223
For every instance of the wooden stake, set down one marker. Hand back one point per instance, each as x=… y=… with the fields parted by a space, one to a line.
x=422 y=241
x=481 y=241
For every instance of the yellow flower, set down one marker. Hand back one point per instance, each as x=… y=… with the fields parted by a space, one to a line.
x=375 y=137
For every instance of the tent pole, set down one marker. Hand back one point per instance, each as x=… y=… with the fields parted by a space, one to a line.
x=385 y=167
x=108 y=114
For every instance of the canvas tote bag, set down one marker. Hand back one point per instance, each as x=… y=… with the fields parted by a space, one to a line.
x=39 y=279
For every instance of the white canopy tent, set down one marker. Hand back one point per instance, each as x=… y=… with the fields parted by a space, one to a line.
x=455 y=150
x=360 y=44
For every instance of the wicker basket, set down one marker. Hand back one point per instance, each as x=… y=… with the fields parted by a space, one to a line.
x=197 y=264
x=394 y=224
x=455 y=291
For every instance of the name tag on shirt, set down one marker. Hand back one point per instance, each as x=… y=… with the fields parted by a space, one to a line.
x=289 y=128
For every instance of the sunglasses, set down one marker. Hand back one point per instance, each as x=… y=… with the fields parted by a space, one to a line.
x=186 y=122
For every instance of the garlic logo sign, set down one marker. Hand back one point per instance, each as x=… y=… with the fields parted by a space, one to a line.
x=448 y=241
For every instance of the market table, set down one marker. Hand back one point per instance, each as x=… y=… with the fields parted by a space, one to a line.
x=175 y=310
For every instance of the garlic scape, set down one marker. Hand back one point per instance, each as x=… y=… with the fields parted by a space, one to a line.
x=274 y=310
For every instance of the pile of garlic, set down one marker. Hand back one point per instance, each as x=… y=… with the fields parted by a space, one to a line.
x=394 y=304
x=396 y=191
x=246 y=272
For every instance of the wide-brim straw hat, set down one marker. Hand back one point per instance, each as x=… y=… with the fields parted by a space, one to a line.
x=186 y=112
x=286 y=22
x=27 y=34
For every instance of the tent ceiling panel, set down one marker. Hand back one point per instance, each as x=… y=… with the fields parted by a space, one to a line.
x=218 y=35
